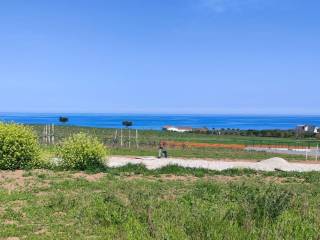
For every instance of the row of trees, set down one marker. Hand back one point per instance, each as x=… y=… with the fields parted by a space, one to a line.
x=255 y=133
x=124 y=123
x=239 y=132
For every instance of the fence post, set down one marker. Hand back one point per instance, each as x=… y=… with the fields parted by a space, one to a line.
x=137 y=143
x=115 y=140
x=129 y=138
x=46 y=135
x=121 y=139
x=43 y=135
x=52 y=134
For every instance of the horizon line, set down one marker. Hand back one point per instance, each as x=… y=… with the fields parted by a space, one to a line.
x=163 y=113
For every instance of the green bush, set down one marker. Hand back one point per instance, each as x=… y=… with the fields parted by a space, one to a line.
x=19 y=147
x=81 y=152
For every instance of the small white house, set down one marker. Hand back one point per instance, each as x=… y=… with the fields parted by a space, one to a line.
x=177 y=129
x=307 y=129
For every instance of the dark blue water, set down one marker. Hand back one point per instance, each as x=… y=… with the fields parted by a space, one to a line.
x=156 y=122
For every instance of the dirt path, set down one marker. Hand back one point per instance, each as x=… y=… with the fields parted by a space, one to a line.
x=265 y=165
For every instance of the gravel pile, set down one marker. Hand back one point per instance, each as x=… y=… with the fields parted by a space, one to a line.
x=272 y=164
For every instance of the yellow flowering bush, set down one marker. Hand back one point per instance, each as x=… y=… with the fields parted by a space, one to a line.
x=81 y=152
x=19 y=147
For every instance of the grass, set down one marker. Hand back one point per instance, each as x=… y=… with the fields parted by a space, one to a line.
x=203 y=153
x=150 y=137
x=132 y=202
x=149 y=140
x=153 y=137
x=135 y=203
x=210 y=153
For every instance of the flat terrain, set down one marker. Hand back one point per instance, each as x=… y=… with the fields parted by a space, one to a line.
x=148 y=137
x=148 y=142
x=163 y=202
x=171 y=203
x=208 y=153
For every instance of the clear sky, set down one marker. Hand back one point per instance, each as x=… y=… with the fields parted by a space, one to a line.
x=160 y=56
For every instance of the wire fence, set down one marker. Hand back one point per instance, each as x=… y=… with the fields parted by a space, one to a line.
x=202 y=145
x=155 y=141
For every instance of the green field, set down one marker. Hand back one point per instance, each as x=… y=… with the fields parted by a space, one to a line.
x=148 y=143
x=171 y=203
x=132 y=202
x=210 y=153
x=150 y=136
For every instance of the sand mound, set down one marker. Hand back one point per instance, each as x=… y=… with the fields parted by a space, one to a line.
x=273 y=163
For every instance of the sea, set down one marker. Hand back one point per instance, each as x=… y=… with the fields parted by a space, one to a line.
x=157 y=121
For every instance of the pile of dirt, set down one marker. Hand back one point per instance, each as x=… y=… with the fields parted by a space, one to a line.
x=273 y=164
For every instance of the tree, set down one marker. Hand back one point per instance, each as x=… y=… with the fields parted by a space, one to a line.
x=63 y=119
x=127 y=123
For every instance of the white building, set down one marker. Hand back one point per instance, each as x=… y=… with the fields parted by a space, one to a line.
x=177 y=129
x=307 y=129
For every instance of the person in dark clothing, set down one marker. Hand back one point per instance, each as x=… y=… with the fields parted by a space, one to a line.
x=162 y=151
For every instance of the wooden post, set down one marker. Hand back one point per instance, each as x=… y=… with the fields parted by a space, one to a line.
x=50 y=126
x=137 y=143
x=46 y=135
x=129 y=139
x=43 y=135
x=317 y=152
x=115 y=138
x=121 y=139
x=52 y=139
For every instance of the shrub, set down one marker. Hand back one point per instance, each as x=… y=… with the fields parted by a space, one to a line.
x=81 y=152
x=19 y=147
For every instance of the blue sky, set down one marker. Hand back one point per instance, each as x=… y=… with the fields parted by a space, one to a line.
x=160 y=56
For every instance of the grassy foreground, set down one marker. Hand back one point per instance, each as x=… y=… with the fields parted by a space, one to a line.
x=170 y=203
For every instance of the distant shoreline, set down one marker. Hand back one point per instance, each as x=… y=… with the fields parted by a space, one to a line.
x=162 y=114
x=158 y=121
